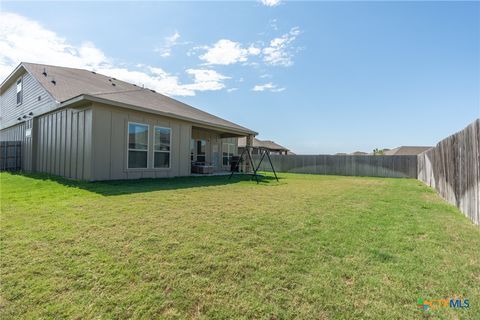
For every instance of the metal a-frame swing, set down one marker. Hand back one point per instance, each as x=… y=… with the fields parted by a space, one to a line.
x=264 y=152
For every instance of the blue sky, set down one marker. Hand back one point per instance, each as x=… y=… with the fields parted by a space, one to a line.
x=317 y=77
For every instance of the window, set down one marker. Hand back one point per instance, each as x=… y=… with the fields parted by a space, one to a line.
x=19 y=91
x=201 y=150
x=227 y=151
x=161 y=148
x=137 y=145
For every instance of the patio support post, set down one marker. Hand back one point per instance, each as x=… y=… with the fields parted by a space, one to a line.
x=248 y=146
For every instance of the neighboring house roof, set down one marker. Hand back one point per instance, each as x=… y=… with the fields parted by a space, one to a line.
x=73 y=85
x=257 y=143
x=359 y=153
x=272 y=145
x=406 y=151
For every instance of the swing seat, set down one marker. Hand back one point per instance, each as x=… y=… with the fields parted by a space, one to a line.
x=237 y=160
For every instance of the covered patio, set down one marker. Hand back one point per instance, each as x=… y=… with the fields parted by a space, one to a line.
x=212 y=150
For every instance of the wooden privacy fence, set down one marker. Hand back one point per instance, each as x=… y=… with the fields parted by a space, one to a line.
x=344 y=165
x=452 y=167
x=10 y=155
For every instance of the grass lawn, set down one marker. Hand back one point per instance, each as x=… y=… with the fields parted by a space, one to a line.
x=308 y=247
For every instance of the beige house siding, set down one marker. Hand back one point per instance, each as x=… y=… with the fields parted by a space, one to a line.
x=63 y=143
x=110 y=130
x=90 y=143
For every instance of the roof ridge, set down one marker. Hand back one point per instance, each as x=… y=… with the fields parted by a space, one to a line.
x=56 y=66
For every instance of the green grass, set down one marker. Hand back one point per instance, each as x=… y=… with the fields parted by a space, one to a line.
x=307 y=247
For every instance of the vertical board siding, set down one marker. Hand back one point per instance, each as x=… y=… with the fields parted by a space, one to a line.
x=41 y=152
x=87 y=146
x=452 y=167
x=10 y=155
x=18 y=133
x=58 y=141
x=80 y=144
x=64 y=143
x=118 y=163
x=49 y=143
x=68 y=144
x=343 y=165
x=39 y=141
x=73 y=150
x=63 y=124
x=184 y=149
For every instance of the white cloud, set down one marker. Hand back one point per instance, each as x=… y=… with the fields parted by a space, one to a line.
x=252 y=50
x=22 y=39
x=268 y=87
x=152 y=78
x=270 y=3
x=166 y=49
x=226 y=52
x=279 y=52
x=205 y=79
x=232 y=89
x=273 y=24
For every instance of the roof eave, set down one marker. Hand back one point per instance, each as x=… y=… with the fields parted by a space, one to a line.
x=11 y=75
x=86 y=97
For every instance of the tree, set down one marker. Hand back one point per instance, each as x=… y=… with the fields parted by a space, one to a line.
x=378 y=152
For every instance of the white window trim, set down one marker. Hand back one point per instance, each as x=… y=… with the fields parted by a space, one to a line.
x=16 y=94
x=148 y=144
x=169 y=152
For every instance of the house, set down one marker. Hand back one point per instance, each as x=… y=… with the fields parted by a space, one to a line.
x=405 y=151
x=271 y=146
x=83 y=125
x=359 y=153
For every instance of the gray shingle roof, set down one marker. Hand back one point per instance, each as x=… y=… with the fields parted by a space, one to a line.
x=406 y=151
x=71 y=83
x=359 y=153
x=268 y=144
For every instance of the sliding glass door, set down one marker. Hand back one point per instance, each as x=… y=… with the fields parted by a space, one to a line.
x=198 y=150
